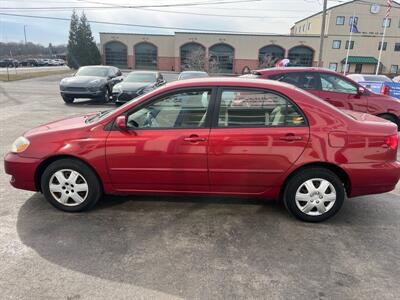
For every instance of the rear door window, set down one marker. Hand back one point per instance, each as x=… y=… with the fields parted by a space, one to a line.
x=303 y=80
x=257 y=108
x=334 y=83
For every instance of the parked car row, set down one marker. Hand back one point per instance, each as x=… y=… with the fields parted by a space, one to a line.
x=106 y=83
x=31 y=62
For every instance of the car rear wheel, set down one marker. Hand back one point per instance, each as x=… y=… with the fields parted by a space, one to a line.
x=68 y=99
x=70 y=185
x=314 y=194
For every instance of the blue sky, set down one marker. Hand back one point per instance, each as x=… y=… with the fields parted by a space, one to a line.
x=265 y=16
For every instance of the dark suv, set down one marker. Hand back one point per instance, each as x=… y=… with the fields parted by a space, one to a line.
x=95 y=82
x=336 y=89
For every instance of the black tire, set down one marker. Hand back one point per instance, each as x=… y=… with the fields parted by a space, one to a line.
x=390 y=118
x=90 y=197
x=298 y=179
x=68 y=99
x=106 y=96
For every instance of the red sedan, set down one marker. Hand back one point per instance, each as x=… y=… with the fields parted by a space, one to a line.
x=336 y=89
x=212 y=136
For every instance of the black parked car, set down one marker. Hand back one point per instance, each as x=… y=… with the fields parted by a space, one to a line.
x=135 y=84
x=95 y=82
x=30 y=62
x=9 y=63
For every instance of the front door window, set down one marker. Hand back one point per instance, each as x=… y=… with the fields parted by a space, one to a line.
x=180 y=110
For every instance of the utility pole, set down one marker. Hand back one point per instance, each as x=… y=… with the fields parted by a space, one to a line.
x=25 y=33
x=321 y=42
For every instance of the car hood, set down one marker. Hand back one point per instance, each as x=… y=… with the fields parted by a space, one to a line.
x=80 y=80
x=65 y=124
x=133 y=86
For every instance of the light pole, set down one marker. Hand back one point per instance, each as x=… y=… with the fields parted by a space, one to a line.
x=25 y=32
x=321 y=42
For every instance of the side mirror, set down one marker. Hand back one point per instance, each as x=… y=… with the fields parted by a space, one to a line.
x=120 y=121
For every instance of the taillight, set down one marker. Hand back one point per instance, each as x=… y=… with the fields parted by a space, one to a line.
x=385 y=90
x=392 y=141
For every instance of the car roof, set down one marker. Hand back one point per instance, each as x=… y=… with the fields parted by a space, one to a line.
x=291 y=69
x=144 y=71
x=228 y=81
x=194 y=72
x=93 y=66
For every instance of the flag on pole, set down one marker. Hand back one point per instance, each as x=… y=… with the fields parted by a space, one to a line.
x=389 y=8
x=353 y=28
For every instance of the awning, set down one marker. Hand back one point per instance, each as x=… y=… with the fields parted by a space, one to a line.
x=361 y=60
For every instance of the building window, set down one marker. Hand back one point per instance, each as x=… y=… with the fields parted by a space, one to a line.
x=333 y=66
x=336 y=44
x=193 y=57
x=304 y=26
x=269 y=55
x=309 y=26
x=351 y=45
x=397 y=47
x=145 y=56
x=355 y=20
x=220 y=58
x=384 y=46
x=340 y=20
x=386 y=22
x=301 y=56
x=116 y=54
x=394 y=69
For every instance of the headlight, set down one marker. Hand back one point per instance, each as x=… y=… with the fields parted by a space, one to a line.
x=20 y=145
x=117 y=89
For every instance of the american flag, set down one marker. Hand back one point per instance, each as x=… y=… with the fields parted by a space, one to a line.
x=389 y=7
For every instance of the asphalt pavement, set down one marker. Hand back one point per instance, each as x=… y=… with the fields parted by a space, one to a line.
x=141 y=247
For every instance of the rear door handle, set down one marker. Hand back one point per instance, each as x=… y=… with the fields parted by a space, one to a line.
x=194 y=138
x=291 y=138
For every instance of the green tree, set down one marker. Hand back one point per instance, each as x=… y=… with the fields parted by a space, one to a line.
x=72 y=47
x=82 y=49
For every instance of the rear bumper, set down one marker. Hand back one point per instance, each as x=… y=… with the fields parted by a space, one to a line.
x=22 y=171
x=373 y=178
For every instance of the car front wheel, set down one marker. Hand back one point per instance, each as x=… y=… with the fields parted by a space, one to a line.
x=314 y=194
x=106 y=96
x=70 y=185
x=68 y=99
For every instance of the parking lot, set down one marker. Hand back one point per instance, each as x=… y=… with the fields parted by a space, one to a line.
x=183 y=247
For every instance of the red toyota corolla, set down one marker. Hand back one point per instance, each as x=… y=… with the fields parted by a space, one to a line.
x=214 y=136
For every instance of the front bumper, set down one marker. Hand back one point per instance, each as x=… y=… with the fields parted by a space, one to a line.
x=82 y=94
x=372 y=178
x=22 y=171
x=123 y=97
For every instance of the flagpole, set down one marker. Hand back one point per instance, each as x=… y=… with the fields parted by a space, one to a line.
x=349 y=45
x=380 y=51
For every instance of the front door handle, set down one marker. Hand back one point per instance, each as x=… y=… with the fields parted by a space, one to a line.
x=291 y=138
x=194 y=138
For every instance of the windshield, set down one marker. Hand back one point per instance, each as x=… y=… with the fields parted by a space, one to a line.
x=141 y=77
x=92 y=71
x=190 y=75
x=377 y=78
